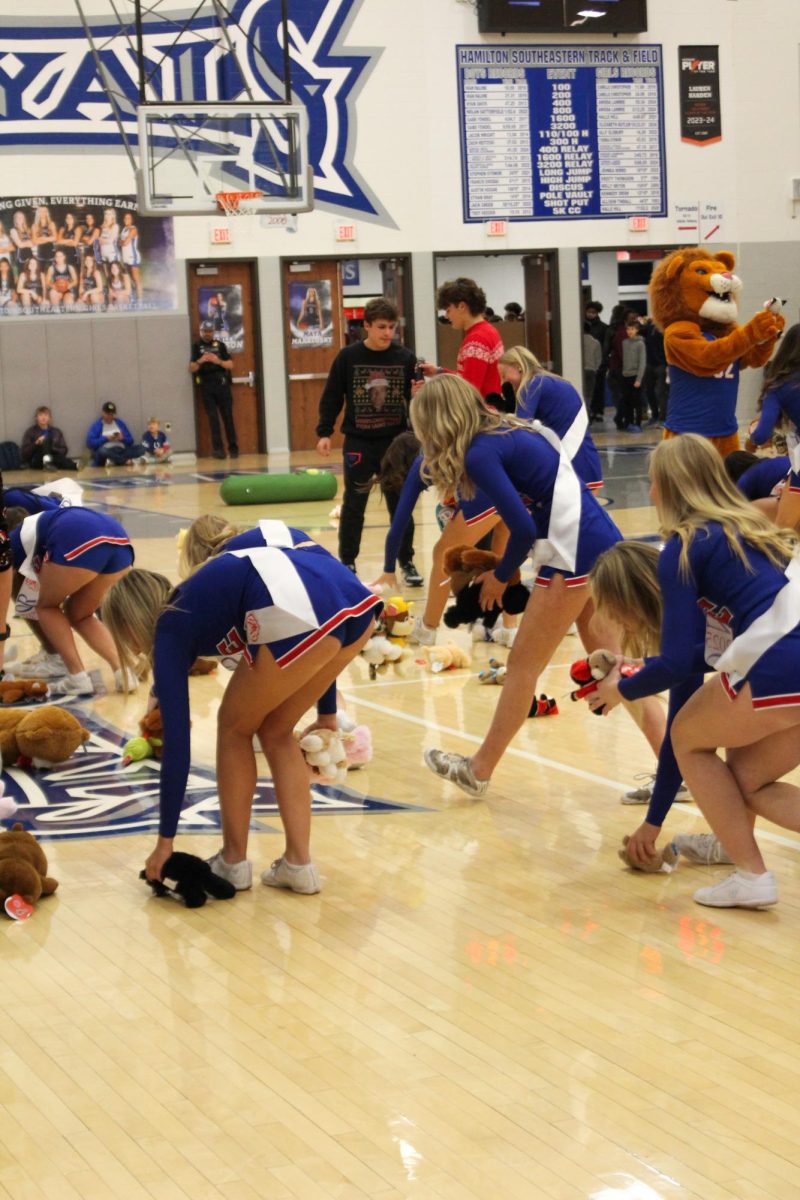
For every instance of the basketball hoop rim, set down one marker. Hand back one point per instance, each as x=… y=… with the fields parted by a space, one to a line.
x=238 y=204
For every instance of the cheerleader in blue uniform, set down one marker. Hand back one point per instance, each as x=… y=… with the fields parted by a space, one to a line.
x=464 y=523
x=725 y=558
x=549 y=513
x=543 y=396
x=69 y=558
x=296 y=617
x=780 y=408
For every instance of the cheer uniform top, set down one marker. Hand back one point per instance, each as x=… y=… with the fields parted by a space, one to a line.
x=477 y=509
x=704 y=404
x=547 y=508
x=556 y=403
x=20 y=498
x=783 y=399
x=751 y=621
x=281 y=597
x=759 y=481
x=71 y=537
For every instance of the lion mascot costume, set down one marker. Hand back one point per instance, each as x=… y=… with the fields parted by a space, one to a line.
x=693 y=302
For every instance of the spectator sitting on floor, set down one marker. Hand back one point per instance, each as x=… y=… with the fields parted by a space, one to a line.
x=110 y=440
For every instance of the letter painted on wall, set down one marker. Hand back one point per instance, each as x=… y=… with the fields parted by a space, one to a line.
x=50 y=93
x=83 y=254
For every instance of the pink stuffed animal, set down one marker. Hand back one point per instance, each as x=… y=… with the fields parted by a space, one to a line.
x=357 y=747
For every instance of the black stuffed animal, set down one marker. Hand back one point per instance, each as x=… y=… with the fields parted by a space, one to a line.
x=192 y=879
x=463 y=564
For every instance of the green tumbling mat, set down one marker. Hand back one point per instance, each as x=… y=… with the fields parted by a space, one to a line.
x=277 y=489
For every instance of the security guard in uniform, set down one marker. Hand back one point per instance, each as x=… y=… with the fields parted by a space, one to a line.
x=211 y=366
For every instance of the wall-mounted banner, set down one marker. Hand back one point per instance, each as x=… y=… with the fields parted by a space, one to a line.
x=53 y=95
x=561 y=132
x=311 y=313
x=83 y=254
x=223 y=306
x=701 y=116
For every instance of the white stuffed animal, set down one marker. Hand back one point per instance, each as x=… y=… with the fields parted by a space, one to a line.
x=324 y=752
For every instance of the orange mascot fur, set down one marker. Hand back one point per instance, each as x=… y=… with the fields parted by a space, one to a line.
x=693 y=302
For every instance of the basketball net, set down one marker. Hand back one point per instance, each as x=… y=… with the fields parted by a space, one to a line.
x=238 y=204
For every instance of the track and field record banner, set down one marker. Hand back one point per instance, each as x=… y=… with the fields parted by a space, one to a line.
x=561 y=132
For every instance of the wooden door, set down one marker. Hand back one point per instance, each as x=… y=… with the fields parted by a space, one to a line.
x=396 y=286
x=314 y=331
x=225 y=293
x=541 y=310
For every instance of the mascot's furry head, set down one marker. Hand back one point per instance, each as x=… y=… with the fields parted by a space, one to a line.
x=692 y=285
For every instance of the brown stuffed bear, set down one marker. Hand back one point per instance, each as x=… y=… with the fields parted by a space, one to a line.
x=14 y=690
x=23 y=867
x=664 y=861
x=39 y=736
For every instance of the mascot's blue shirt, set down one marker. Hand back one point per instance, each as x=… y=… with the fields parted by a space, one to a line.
x=704 y=404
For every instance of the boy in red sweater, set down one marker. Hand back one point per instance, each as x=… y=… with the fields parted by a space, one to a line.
x=464 y=304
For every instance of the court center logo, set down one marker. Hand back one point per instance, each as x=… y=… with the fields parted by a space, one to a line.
x=51 y=93
x=95 y=795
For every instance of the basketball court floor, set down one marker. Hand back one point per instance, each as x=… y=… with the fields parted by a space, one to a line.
x=481 y=1003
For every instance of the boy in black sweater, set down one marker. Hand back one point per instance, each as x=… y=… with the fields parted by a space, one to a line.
x=372 y=380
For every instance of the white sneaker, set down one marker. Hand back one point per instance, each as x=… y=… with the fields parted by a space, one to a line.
x=239 y=874
x=303 y=878
x=72 y=685
x=41 y=666
x=421 y=634
x=503 y=637
x=480 y=633
x=702 y=848
x=644 y=793
x=125 y=680
x=740 y=890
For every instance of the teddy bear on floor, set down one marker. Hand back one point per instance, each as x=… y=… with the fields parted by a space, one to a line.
x=396 y=620
x=23 y=867
x=12 y=691
x=449 y=657
x=39 y=737
x=464 y=564
x=190 y=879
x=381 y=653
x=664 y=860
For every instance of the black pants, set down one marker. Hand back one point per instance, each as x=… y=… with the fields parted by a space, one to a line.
x=361 y=459
x=655 y=382
x=598 y=405
x=59 y=461
x=632 y=401
x=218 y=402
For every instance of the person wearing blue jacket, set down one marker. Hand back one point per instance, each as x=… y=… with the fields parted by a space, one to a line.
x=110 y=440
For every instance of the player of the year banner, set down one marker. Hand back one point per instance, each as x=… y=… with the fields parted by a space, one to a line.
x=561 y=132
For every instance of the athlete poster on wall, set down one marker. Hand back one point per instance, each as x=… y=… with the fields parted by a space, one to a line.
x=223 y=307
x=83 y=254
x=701 y=115
x=311 y=313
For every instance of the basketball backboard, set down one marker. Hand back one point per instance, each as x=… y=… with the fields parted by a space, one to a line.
x=189 y=152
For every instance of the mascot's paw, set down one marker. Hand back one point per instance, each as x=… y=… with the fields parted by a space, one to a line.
x=765 y=326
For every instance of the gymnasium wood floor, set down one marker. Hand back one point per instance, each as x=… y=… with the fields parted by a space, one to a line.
x=482 y=1002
